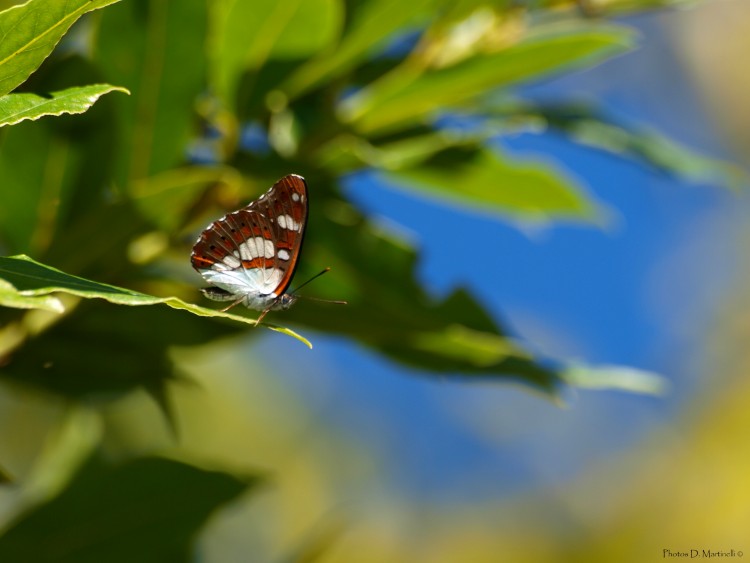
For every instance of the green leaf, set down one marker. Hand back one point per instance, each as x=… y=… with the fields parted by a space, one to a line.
x=49 y=192
x=149 y=509
x=483 y=180
x=31 y=31
x=89 y=354
x=590 y=125
x=411 y=93
x=455 y=336
x=246 y=34
x=164 y=67
x=372 y=24
x=177 y=190
x=17 y=107
x=5 y=477
x=465 y=345
x=615 y=8
x=32 y=279
x=10 y=297
x=32 y=181
x=622 y=378
x=347 y=152
x=657 y=150
x=23 y=184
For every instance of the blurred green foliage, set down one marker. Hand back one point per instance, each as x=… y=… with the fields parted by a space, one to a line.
x=104 y=508
x=117 y=194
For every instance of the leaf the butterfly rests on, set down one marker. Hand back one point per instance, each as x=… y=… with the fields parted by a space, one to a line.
x=249 y=256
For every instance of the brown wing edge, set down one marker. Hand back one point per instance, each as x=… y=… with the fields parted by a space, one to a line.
x=294 y=183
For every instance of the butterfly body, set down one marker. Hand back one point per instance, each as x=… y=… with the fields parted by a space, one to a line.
x=249 y=256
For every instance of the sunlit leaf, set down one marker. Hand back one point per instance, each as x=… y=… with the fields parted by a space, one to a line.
x=409 y=93
x=148 y=509
x=346 y=153
x=622 y=378
x=30 y=278
x=246 y=34
x=11 y=297
x=17 y=107
x=465 y=345
x=373 y=23
x=656 y=150
x=590 y=125
x=616 y=7
x=484 y=181
x=31 y=31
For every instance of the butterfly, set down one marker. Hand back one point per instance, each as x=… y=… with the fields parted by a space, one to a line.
x=249 y=256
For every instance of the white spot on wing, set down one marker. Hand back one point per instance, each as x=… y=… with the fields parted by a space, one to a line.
x=231 y=261
x=256 y=247
x=288 y=222
x=270 y=251
x=245 y=252
x=284 y=254
x=295 y=196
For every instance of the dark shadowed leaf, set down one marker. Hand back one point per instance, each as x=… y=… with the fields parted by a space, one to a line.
x=23 y=187
x=107 y=351
x=389 y=312
x=148 y=510
x=49 y=192
x=157 y=50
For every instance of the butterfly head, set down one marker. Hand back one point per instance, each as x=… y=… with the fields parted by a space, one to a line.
x=285 y=300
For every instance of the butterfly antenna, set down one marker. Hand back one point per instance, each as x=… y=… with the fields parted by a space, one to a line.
x=316 y=298
x=334 y=301
x=316 y=276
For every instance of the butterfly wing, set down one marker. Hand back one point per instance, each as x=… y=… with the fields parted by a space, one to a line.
x=253 y=252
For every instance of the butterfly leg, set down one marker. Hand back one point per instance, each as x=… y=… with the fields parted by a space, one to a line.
x=232 y=304
x=263 y=314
